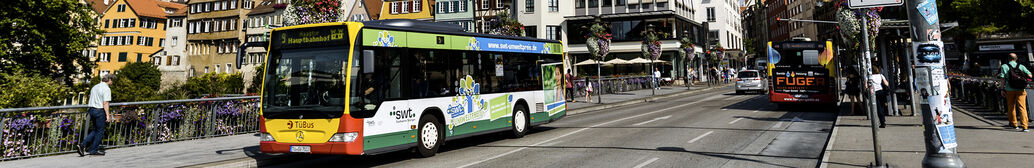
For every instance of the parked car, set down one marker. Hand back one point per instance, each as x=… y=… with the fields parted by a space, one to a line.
x=750 y=80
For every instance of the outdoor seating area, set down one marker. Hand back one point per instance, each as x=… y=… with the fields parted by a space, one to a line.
x=619 y=75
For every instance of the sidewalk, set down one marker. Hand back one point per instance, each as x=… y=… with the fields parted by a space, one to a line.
x=982 y=142
x=242 y=150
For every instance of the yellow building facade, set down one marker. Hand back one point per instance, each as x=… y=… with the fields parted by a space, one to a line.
x=407 y=9
x=134 y=30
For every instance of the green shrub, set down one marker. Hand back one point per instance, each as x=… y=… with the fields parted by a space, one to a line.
x=30 y=90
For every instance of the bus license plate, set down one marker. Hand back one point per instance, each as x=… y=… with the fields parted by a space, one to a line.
x=301 y=149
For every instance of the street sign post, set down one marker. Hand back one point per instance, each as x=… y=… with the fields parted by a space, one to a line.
x=858 y=4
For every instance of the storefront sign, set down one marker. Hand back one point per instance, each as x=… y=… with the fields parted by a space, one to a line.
x=997 y=47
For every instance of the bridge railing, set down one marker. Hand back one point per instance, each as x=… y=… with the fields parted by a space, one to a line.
x=41 y=131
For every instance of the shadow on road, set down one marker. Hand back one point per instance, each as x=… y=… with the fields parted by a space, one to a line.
x=724 y=155
x=306 y=160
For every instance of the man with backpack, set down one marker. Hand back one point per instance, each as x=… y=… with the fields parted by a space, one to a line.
x=1016 y=77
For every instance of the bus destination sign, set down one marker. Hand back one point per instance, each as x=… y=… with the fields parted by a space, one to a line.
x=309 y=37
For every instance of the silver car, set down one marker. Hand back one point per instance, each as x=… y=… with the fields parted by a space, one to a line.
x=750 y=80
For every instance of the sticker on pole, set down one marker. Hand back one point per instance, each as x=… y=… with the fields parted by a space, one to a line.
x=928 y=8
x=928 y=53
x=858 y=4
x=944 y=121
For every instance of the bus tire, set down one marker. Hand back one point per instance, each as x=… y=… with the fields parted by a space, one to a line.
x=521 y=123
x=430 y=136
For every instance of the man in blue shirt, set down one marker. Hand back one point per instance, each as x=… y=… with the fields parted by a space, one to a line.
x=1015 y=97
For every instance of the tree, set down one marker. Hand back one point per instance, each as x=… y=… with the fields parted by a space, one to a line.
x=136 y=81
x=256 y=81
x=989 y=16
x=46 y=37
x=29 y=90
x=212 y=84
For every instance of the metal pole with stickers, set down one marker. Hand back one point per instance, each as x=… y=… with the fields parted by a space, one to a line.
x=932 y=85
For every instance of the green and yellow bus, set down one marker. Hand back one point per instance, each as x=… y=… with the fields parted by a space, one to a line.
x=362 y=88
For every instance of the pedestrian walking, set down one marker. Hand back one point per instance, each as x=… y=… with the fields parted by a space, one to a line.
x=100 y=115
x=588 y=91
x=656 y=78
x=878 y=82
x=853 y=91
x=1015 y=77
x=569 y=87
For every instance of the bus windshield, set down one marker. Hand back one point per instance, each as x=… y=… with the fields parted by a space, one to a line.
x=306 y=83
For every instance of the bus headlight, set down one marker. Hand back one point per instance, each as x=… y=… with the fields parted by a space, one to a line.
x=344 y=137
x=266 y=137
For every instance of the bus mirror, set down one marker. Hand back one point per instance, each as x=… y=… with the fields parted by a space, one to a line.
x=368 y=61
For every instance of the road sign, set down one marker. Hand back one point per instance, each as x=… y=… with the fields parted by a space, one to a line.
x=857 y=4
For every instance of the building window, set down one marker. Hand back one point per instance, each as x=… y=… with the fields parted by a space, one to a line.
x=484 y=4
x=394 y=7
x=139 y=57
x=529 y=5
x=104 y=57
x=175 y=60
x=405 y=7
x=498 y=3
x=228 y=68
x=438 y=8
x=463 y=6
x=206 y=69
x=121 y=7
x=554 y=5
x=452 y=6
x=416 y=6
x=122 y=56
x=530 y=31
x=710 y=14
x=217 y=66
x=553 y=32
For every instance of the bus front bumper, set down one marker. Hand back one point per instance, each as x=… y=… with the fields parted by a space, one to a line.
x=339 y=148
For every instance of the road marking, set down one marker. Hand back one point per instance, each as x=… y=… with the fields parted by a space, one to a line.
x=655 y=119
x=576 y=131
x=734 y=121
x=723 y=109
x=646 y=163
x=755 y=111
x=700 y=137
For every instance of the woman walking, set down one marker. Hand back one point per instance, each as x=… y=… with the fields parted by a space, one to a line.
x=853 y=90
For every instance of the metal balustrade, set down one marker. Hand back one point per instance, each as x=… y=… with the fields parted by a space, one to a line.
x=41 y=131
x=983 y=92
x=612 y=84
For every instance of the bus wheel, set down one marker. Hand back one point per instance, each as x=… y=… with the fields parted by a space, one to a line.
x=430 y=136
x=520 y=122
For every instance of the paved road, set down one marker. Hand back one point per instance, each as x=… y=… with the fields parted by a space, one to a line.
x=712 y=129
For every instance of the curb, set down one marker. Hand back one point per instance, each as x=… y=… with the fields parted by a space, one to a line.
x=639 y=100
x=824 y=162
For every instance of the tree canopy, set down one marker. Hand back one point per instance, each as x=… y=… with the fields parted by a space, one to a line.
x=989 y=16
x=46 y=37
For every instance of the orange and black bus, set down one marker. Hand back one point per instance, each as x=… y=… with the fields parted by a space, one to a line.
x=802 y=72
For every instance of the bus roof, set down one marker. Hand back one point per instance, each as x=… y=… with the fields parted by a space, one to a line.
x=411 y=25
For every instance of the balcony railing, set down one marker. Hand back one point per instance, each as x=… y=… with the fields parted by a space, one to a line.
x=42 y=131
